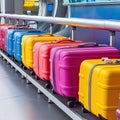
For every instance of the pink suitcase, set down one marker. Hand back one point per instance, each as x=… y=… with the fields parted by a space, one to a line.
x=65 y=63
x=4 y=29
x=41 y=64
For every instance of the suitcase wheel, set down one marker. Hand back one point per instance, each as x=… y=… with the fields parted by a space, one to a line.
x=36 y=77
x=24 y=67
x=101 y=117
x=53 y=91
x=21 y=65
x=70 y=104
x=31 y=72
x=12 y=58
x=47 y=85
x=83 y=109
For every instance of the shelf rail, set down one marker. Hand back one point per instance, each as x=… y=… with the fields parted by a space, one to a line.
x=109 y=25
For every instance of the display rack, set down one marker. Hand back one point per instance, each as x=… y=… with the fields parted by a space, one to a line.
x=109 y=25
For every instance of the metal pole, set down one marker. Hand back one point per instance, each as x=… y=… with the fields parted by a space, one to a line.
x=51 y=28
x=9 y=20
x=3 y=10
x=112 y=38
x=37 y=24
x=24 y=22
x=17 y=21
x=73 y=32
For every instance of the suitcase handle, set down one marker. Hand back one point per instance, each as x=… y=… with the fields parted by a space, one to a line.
x=19 y=27
x=64 y=40
x=117 y=62
x=32 y=30
x=88 y=44
x=45 y=35
x=106 y=60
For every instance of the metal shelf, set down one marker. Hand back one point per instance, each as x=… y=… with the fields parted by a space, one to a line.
x=73 y=113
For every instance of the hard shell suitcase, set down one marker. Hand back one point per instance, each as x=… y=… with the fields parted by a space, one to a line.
x=1 y=25
x=28 y=43
x=17 y=42
x=41 y=56
x=65 y=64
x=99 y=87
x=10 y=39
x=3 y=30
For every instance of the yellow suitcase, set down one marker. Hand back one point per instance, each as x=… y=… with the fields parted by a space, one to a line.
x=28 y=43
x=99 y=87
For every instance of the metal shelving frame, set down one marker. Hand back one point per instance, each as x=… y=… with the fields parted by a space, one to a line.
x=109 y=25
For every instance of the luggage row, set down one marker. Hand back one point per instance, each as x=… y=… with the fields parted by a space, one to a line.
x=73 y=69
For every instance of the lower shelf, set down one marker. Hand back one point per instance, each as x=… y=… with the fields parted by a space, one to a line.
x=73 y=113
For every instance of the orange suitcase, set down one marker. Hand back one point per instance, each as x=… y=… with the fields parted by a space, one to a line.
x=41 y=56
x=28 y=43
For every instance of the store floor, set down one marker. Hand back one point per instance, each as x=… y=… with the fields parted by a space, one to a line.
x=20 y=101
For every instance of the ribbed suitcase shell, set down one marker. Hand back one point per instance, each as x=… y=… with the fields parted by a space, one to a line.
x=3 y=30
x=17 y=42
x=65 y=63
x=41 y=56
x=10 y=40
x=99 y=87
x=28 y=43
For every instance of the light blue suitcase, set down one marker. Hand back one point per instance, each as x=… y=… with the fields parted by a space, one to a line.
x=17 y=42
x=9 y=39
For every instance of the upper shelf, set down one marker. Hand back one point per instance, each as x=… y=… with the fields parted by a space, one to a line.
x=110 y=25
x=91 y=3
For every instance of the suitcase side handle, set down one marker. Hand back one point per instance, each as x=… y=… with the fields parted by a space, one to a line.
x=20 y=27
x=45 y=35
x=64 y=40
x=33 y=30
x=88 y=44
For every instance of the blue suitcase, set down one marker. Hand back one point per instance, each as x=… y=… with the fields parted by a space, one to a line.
x=9 y=40
x=17 y=42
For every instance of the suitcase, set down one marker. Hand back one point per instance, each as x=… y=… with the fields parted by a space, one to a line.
x=99 y=87
x=65 y=64
x=17 y=42
x=41 y=56
x=10 y=39
x=3 y=29
x=28 y=43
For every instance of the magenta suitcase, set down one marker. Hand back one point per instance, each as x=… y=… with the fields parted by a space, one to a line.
x=118 y=110
x=1 y=26
x=41 y=55
x=118 y=114
x=65 y=63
